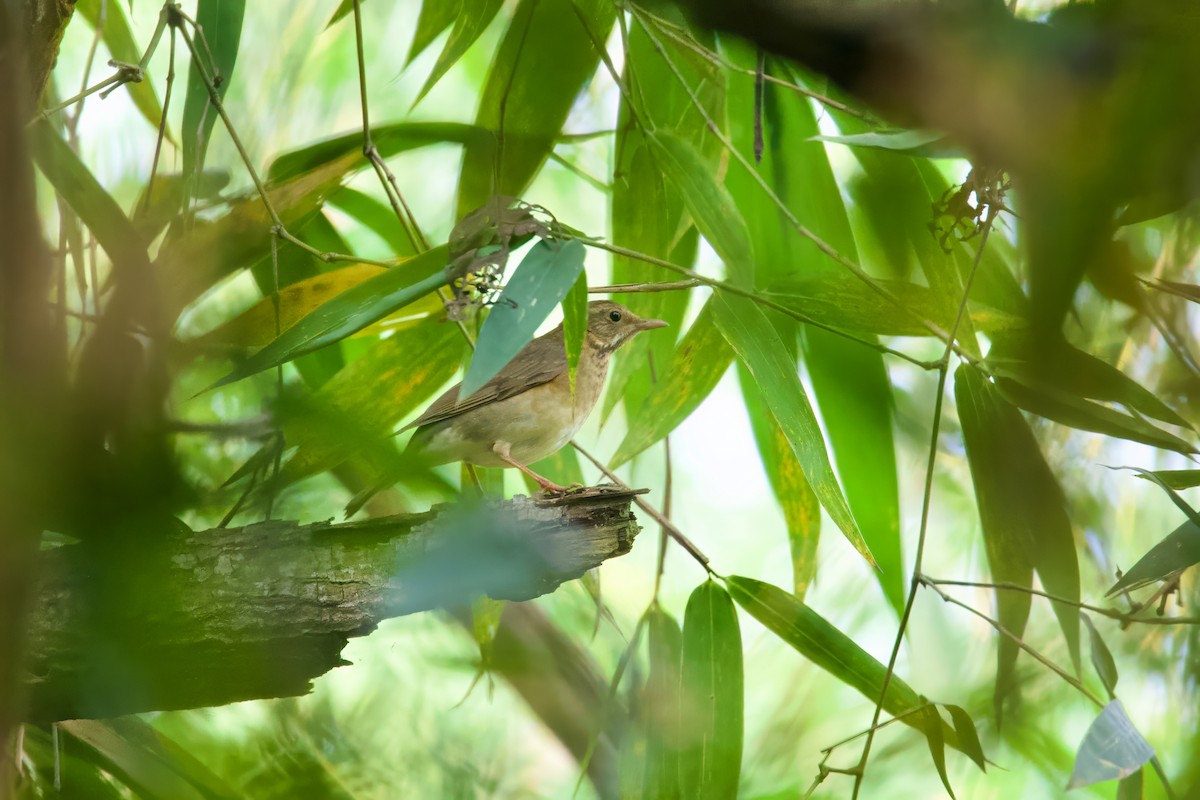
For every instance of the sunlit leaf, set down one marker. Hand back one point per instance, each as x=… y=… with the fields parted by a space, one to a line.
x=538 y=284
x=1178 y=551
x=929 y=722
x=1023 y=513
x=1102 y=660
x=699 y=361
x=1112 y=748
x=711 y=696
x=120 y=42
x=709 y=203
x=435 y=17
x=545 y=59
x=473 y=18
x=221 y=21
x=914 y=143
x=757 y=344
x=1176 y=478
x=801 y=509
x=350 y=312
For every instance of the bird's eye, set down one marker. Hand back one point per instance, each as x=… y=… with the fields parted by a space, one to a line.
x=615 y=316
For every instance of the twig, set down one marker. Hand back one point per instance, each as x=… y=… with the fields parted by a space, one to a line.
x=657 y=515
x=926 y=503
x=634 y=288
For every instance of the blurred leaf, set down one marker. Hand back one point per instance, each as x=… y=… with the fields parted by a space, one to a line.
x=344 y=9
x=119 y=39
x=575 y=318
x=544 y=60
x=1102 y=660
x=968 y=737
x=398 y=137
x=435 y=17
x=1187 y=291
x=1174 y=478
x=350 y=312
x=152 y=213
x=1178 y=551
x=699 y=361
x=843 y=301
x=146 y=760
x=757 y=344
x=372 y=393
x=375 y=216
x=539 y=283
x=924 y=144
x=97 y=209
x=221 y=21
x=472 y=20
x=1076 y=412
x=711 y=695
x=1111 y=749
x=485 y=622
x=708 y=202
x=1023 y=513
x=660 y=708
x=1063 y=367
x=801 y=510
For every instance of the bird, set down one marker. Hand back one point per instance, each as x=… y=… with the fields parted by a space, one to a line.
x=527 y=411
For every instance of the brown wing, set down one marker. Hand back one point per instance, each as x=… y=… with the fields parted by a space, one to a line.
x=538 y=362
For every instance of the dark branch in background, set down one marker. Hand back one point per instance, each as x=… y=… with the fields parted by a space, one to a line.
x=212 y=617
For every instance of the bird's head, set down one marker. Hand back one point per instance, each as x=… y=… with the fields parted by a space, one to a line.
x=611 y=325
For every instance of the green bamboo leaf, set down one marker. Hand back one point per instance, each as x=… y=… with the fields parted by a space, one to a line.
x=389 y=140
x=699 y=361
x=711 y=696
x=1175 y=553
x=350 y=312
x=118 y=37
x=1132 y=787
x=850 y=385
x=759 y=347
x=1102 y=660
x=801 y=509
x=1111 y=749
x=1188 y=291
x=1023 y=512
x=546 y=58
x=833 y=651
x=539 y=283
x=709 y=203
x=221 y=21
x=1076 y=412
x=473 y=18
x=661 y=706
x=968 y=737
x=1174 y=478
x=929 y=722
x=561 y=467
x=575 y=314
x=435 y=17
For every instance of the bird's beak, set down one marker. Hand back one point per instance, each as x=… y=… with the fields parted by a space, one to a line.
x=650 y=324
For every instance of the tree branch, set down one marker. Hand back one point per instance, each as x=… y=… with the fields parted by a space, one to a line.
x=191 y=619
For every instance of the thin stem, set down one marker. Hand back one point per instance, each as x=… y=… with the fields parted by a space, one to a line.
x=751 y=295
x=48 y=112
x=1111 y=613
x=926 y=502
x=162 y=123
x=579 y=172
x=638 y=288
x=655 y=514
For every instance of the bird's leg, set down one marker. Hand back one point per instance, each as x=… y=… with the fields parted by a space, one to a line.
x=501 y=449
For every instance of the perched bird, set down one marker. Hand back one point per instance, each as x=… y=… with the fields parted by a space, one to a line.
x=527 y=411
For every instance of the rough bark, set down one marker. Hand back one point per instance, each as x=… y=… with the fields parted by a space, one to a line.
x=47 y=22
x=205 y=618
